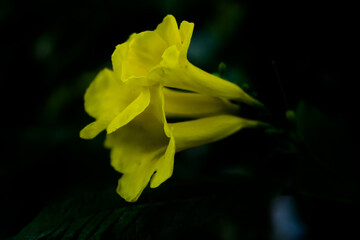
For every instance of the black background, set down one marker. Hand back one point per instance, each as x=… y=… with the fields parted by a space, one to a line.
x=51 y=50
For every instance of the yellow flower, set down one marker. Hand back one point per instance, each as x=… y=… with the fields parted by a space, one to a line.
x=142 y=143
x=161 y=56
x=132 y=102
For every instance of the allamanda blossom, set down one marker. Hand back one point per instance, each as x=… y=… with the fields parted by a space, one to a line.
x=133 y=101
x=161 y=56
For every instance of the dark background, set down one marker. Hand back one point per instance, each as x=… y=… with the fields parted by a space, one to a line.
x=51 y=50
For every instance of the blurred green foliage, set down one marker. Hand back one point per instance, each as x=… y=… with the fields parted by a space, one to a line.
x=50 y=52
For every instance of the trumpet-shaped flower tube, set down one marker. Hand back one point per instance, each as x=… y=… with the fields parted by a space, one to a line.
x=194 y=105
x=161 y=56
x=189 y=134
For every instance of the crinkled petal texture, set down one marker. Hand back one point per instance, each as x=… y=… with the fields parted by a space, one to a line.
x=137 y=56
x=143 y=51
x=162 y=55
x=143 y=150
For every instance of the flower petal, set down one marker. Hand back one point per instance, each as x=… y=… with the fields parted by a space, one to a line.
x=194 y=105
x=169 y=31
x=186 y=31
x=119 y=57
x=142 y=147
x=138 y=55
x=202 y=131
x=93 y=129
x=165 y=166
x=131 y=111
x=105 y=98
x=135 y=152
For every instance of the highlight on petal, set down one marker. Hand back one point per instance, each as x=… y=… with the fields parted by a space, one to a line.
x=119 y=58
x=169 y=31
x=104 y=99
x=141 y=148
x=194 y=105
x=186 y=31
x=202 y=131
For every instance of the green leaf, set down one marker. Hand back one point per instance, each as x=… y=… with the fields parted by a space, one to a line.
x=171 y=212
